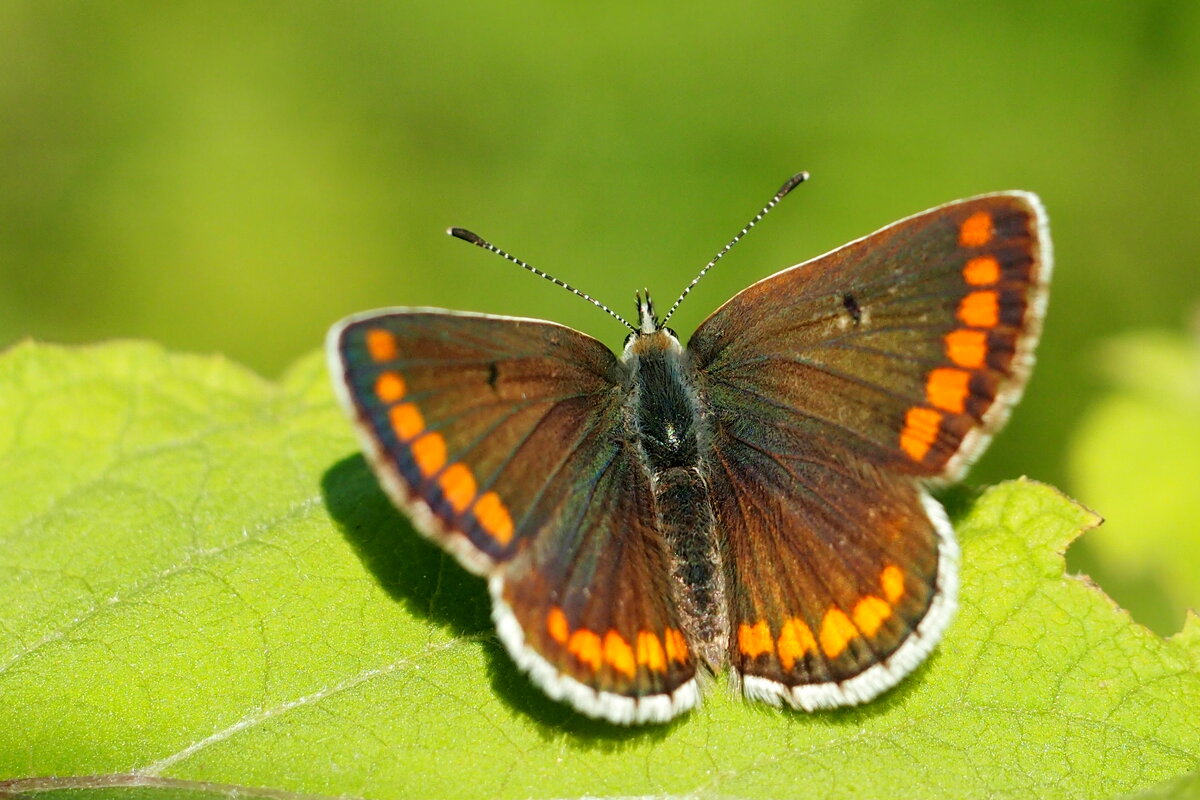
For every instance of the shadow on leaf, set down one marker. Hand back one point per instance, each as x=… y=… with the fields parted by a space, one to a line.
x=410 y=568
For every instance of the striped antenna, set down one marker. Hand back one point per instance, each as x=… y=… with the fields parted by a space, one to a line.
x=792 y=183
x=479 y=241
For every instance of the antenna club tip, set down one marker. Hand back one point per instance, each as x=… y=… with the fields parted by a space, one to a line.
x=792 y=183
x=465 y=235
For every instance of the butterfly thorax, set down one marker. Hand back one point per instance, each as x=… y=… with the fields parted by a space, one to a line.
x=664 y=416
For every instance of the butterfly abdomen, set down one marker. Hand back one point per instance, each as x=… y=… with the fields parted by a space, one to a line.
x=664 y=410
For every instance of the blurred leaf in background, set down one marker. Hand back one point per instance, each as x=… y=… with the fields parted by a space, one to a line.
x=1137 y=451
x=233 y=177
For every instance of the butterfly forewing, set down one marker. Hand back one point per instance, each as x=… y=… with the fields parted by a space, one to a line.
x=914 y=342
x=503 y=439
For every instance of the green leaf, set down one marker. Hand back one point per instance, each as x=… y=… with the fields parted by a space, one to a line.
x=1135 y=457
x=1186 y=787
x=203 y=591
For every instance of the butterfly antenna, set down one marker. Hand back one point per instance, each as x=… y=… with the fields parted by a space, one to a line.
x=479 y=241
x=792 y=183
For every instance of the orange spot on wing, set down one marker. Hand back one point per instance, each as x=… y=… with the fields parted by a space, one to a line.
x=755 y=640
x=585 y=646
x=650 y=652
x=892 y=580
x=407 y=422
x=677 y=649
x=389 y=387
x=980 y=309
x=921 y=426
x=836 y=632
x=494 y=518
x=976 y=230
x=619 y=654
x=982 y=271
x=966 y=348
x=869 y=614
x=795 y=639
x=458 y=486
x=381 y=345
x=948 y=389
x=430 y=453
x=557 y=626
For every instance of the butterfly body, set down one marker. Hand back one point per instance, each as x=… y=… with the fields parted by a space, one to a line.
x=667 y=415
x=754 y=501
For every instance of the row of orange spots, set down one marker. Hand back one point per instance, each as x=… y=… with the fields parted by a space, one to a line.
x=921 y=426
x=592 y=650
x=428 y=448
x=947 y=388
x=838 y=628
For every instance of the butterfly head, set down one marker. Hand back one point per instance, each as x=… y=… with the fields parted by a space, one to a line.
x=649 y=334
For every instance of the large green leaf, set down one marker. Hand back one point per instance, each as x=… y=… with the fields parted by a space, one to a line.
x=202 y=591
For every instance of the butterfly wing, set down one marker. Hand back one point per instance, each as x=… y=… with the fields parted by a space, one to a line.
x=503 y=439
x=836 y=387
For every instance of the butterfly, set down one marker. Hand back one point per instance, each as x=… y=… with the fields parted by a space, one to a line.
x=757 y=500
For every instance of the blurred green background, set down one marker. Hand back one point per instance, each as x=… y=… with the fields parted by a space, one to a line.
x=235 y=177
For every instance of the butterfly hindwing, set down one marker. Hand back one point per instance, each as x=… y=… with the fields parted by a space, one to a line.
x=840 y=577
x=591 y=602
x=503 y=440
x=833 y=387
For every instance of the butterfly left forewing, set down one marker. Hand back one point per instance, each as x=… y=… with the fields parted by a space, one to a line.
x=461 y=416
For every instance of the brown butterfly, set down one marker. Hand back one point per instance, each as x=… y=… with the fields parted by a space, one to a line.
x=755 y=499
